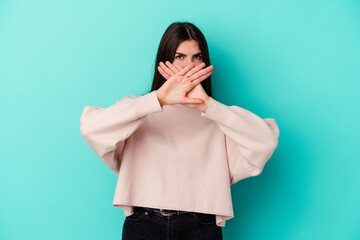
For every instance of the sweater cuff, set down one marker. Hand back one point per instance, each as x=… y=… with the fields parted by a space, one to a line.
x=214 y=109
x=146 y=104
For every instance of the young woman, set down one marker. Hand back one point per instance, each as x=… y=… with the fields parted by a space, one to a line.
x=176 y=150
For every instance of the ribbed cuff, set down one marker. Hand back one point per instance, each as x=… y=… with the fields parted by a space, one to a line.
x=214 y=110
x=146 y=104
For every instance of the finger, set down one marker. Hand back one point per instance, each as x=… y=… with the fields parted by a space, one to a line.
x=200 y=79
x=166 y=69
x=195 y=69
x=163 y=73
x=167 y=74
x=201 y=73
x=186 y=69
x=172 y=67
x=178 y=68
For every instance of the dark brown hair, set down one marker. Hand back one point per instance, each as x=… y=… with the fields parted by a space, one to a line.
x=176 y=33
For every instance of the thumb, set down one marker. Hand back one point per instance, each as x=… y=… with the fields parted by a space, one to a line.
x=193 y=100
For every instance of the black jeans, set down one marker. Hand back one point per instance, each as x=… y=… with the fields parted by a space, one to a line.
x=148 y=225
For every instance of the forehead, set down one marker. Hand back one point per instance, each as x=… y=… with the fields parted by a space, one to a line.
x=188 y=47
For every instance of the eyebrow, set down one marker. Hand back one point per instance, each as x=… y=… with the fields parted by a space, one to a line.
x=185 y=55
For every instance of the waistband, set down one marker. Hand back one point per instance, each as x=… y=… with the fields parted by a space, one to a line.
x=162 y=212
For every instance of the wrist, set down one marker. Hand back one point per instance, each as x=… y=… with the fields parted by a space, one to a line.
x=206 y=102
x=205 y=105
x=160 y=98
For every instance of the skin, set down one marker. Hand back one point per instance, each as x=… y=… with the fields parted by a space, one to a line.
x=183 y=77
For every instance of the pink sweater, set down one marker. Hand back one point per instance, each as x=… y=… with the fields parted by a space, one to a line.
x=176 y=157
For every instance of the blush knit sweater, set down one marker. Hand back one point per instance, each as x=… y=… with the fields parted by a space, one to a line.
x=176 y=157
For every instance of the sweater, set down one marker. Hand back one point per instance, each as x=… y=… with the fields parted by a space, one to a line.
x=176 y=157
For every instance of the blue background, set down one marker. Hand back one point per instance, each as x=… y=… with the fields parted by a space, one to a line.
x=295 y=61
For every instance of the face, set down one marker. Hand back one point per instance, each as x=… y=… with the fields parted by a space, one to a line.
x=188 y=51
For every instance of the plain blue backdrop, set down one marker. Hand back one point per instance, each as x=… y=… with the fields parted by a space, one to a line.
x=295 y=61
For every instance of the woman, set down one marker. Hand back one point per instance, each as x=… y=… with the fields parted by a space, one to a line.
x=176 y=150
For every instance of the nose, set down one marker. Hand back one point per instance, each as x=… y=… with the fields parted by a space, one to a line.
x=188 y=61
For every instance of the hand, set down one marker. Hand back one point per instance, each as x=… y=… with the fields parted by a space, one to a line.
x=177 y=86
x=198 y=91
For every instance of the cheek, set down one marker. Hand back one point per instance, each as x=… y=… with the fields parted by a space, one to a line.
x=178 y=64
x=197 y=62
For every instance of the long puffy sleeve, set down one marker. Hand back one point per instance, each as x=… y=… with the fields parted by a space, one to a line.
x=106 y=129
x=250 y=140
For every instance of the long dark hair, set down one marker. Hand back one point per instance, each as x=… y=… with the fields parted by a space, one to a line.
x=176 y=33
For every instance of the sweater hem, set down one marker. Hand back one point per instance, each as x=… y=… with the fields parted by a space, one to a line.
x=129 y=210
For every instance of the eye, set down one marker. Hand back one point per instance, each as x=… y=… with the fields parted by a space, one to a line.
x=178 y=57
x=198 y=57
